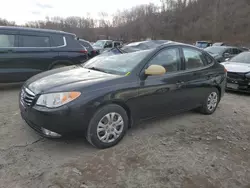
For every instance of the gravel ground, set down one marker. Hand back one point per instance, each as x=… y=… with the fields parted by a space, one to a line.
x=188 y=150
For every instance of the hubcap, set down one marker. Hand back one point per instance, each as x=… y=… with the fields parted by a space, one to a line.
x=212 y=101
x=110 y=127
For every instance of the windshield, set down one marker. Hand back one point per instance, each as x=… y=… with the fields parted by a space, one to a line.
x=119 y=64
x=99 y=43
x=243 y=57
x=215 y=50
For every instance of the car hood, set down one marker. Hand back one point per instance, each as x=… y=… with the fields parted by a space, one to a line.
x=63 y=76
x=237 y=67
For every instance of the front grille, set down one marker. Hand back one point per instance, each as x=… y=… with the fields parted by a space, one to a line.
x=27 y=96
x=236 y=76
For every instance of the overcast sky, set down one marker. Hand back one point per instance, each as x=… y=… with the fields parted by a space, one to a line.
x=22 y=11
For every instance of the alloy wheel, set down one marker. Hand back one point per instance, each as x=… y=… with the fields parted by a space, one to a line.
x=110 y=127
x=212 y=101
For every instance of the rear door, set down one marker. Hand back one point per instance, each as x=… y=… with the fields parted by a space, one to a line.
x=8 y=56
x=198 y=76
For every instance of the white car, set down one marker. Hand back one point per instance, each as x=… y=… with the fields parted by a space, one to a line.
x=238 y=72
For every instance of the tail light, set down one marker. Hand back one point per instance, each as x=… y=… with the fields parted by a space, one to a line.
x=225 y=70
x=84 y=51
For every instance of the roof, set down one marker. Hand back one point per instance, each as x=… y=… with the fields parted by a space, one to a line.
x=14 y=28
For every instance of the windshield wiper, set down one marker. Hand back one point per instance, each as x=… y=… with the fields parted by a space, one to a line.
x=97 y=69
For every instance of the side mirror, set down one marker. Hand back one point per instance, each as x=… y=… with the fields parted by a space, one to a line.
x=226 y=55
x=155 y=70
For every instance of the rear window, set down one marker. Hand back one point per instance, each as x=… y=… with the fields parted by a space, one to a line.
x=57 y=41
x=7 y=41
x=34 y=41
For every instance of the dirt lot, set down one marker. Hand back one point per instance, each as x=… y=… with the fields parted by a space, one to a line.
x=188 y=150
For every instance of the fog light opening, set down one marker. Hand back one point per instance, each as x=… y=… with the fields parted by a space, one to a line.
x=50 y=133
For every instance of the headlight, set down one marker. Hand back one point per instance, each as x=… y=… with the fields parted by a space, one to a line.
x=53 y=100
x=248 y=75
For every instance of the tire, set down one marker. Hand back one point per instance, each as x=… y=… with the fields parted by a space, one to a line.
x=211 y=102
x=58 y=66
x=106 y=130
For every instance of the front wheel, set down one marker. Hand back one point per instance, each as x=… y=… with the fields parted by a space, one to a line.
x=108 y=126
x=211 y=102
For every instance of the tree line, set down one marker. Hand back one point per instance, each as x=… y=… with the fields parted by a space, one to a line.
x=180 y=20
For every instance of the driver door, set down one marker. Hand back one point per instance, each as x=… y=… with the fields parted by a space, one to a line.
x=162 y=94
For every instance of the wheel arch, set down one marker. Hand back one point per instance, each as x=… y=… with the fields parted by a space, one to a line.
x=121 y=104
x=60 y=62
x=219 y=89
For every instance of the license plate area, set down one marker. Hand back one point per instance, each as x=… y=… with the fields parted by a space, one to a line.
x=232 y=86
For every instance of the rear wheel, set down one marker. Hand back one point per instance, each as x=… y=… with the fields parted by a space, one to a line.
x=211 y=102
x=108 y=126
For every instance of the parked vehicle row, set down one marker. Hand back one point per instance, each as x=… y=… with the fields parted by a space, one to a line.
x=102 y=96
x=222 y=53
x=134 y=46
x=108 y=94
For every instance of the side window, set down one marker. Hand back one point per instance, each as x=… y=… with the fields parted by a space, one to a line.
x=168 y=58
x=108 y=44
x=7 y=41
x=193 y=58
x=34 y=41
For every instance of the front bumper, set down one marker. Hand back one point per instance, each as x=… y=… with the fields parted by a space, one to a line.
x=238 y=85
x=60 y=120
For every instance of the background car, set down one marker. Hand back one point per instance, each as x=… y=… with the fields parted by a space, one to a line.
x=222 y=53
x=135 y=46
x=89 y=47
x=103 y=45
x=107 y=95
x=219 y=44
x=143 y=45
x=238 y=75
x=203 y=44
x=25 y=52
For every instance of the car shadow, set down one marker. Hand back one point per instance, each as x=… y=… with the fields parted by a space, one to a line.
x=12 y=86
x=238 y=93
